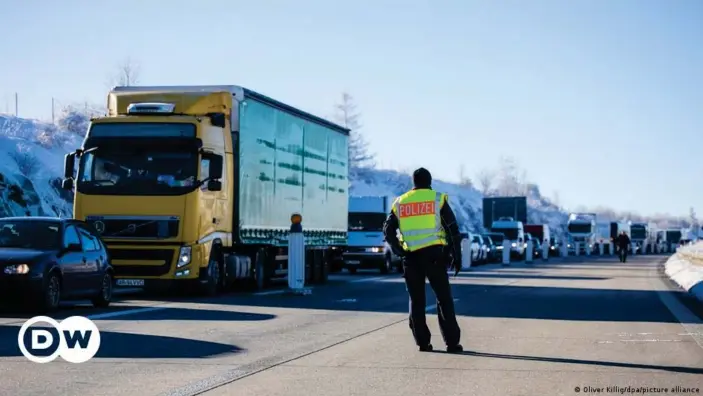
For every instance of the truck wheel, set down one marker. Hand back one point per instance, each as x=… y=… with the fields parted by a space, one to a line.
x=212 y=284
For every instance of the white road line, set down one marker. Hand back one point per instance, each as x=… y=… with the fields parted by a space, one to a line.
x=270 y=292
x=126 y=312
x=367 y=279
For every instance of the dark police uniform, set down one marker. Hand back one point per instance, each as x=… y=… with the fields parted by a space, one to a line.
x=427 y=227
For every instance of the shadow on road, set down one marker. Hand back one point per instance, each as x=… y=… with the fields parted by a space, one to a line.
x=675 y=369
x=130 y=346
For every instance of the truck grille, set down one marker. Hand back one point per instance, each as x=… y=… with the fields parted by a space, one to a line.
x=151 y=228
x=142 y=254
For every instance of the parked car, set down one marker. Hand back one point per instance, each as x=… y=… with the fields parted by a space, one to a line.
x=474 y=246
x=554 y=247
x=46 y=260
x=482 y=248
x=537 y=248
x=493 y=254
x=497 y=238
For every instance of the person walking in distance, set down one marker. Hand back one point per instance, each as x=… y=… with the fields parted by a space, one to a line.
x=426 y=225
x=623 y=245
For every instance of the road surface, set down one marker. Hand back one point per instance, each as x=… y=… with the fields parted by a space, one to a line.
x=528 y=329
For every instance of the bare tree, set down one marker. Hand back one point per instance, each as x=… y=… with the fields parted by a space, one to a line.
x=127 y=74
x=26 y=162
x=485 y=180
x=555 y=198
x=464 y=179
x=347 y=115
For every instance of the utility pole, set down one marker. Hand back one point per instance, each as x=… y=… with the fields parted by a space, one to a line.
x=16 y=105
x=52 y=110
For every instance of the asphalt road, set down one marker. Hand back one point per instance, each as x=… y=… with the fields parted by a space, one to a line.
x=528 y=329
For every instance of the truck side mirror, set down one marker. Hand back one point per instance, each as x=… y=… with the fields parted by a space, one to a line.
x=215 y=169
x=67 y=184
x=68 y=165
x=214 y=185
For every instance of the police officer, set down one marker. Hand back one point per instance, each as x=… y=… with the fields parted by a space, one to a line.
x=427 y=226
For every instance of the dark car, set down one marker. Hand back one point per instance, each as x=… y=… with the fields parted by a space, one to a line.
x=493 y=253
x=48 y=259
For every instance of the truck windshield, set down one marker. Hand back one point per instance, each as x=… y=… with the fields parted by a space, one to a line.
x=155 y=171
x=579 y=228
x=510 y=233
x=638 y=233
x=372 y=222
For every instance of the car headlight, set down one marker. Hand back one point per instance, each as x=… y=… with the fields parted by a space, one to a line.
x=551 y=247
x=17 y=269
x=569 y=245
x=514 y=245
x=184 y=256
x=488 y=249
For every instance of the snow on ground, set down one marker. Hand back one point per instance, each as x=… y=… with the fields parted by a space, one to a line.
x=25 y=142
x=686 y=270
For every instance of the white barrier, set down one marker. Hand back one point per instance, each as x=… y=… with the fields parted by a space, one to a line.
x=633 y=248
x=564 y=248
x=601 y=249
x=588 y=249
x=296 y=257
x=545 y=250
x=506 y=252
x=529 y=252
x=465 y=254
x=672 y=247
x=577 y=248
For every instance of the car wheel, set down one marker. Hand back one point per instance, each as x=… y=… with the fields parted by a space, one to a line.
x=104 y=297
x=387 y=265
x=51 y=297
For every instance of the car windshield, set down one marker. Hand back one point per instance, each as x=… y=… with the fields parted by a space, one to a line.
x=370 y=222
x=34 y=234
x=497 y=238
x=138 y=172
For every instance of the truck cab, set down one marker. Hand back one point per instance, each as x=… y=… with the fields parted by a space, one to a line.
x=514 y=232
x=638 y=235
x=582 y=228
x=366 y=244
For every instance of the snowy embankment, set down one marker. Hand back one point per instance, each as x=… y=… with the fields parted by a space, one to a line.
x=31 y=172
x=685 y=268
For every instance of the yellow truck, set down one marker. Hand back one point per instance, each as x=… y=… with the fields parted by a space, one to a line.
x=197 y=185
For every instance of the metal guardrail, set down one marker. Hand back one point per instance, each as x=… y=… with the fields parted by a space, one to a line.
x=692 y=252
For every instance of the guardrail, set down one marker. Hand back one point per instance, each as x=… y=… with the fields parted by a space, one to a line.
x=692 y=252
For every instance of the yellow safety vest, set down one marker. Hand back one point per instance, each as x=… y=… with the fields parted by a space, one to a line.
x=419 y=220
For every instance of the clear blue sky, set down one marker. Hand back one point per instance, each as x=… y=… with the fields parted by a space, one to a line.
x=600 y=100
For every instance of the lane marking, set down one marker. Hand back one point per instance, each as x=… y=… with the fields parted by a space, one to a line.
x=367 y=279
x=270 y=292
x=126 y=312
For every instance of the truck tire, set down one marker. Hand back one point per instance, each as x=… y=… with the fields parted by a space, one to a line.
x=211 y=284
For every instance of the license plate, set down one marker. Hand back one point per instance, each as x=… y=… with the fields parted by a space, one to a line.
x=352 y=262
x=130 y=282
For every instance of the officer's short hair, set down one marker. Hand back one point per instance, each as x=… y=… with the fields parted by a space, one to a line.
x=422 y=178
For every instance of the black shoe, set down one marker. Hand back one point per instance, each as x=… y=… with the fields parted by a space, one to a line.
x=426 y=348
x=455 y=348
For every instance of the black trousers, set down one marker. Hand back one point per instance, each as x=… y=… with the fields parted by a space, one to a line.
x=623 y=254
x=429 y=263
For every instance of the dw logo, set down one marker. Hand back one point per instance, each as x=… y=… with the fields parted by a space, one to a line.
x=76 y=339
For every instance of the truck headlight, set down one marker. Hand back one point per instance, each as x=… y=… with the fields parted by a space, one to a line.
x=514 y=244
x=374 y=250
x=18 y=269
x=184 y=256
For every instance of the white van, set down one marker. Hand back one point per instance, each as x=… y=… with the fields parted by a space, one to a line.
x=366 y=244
